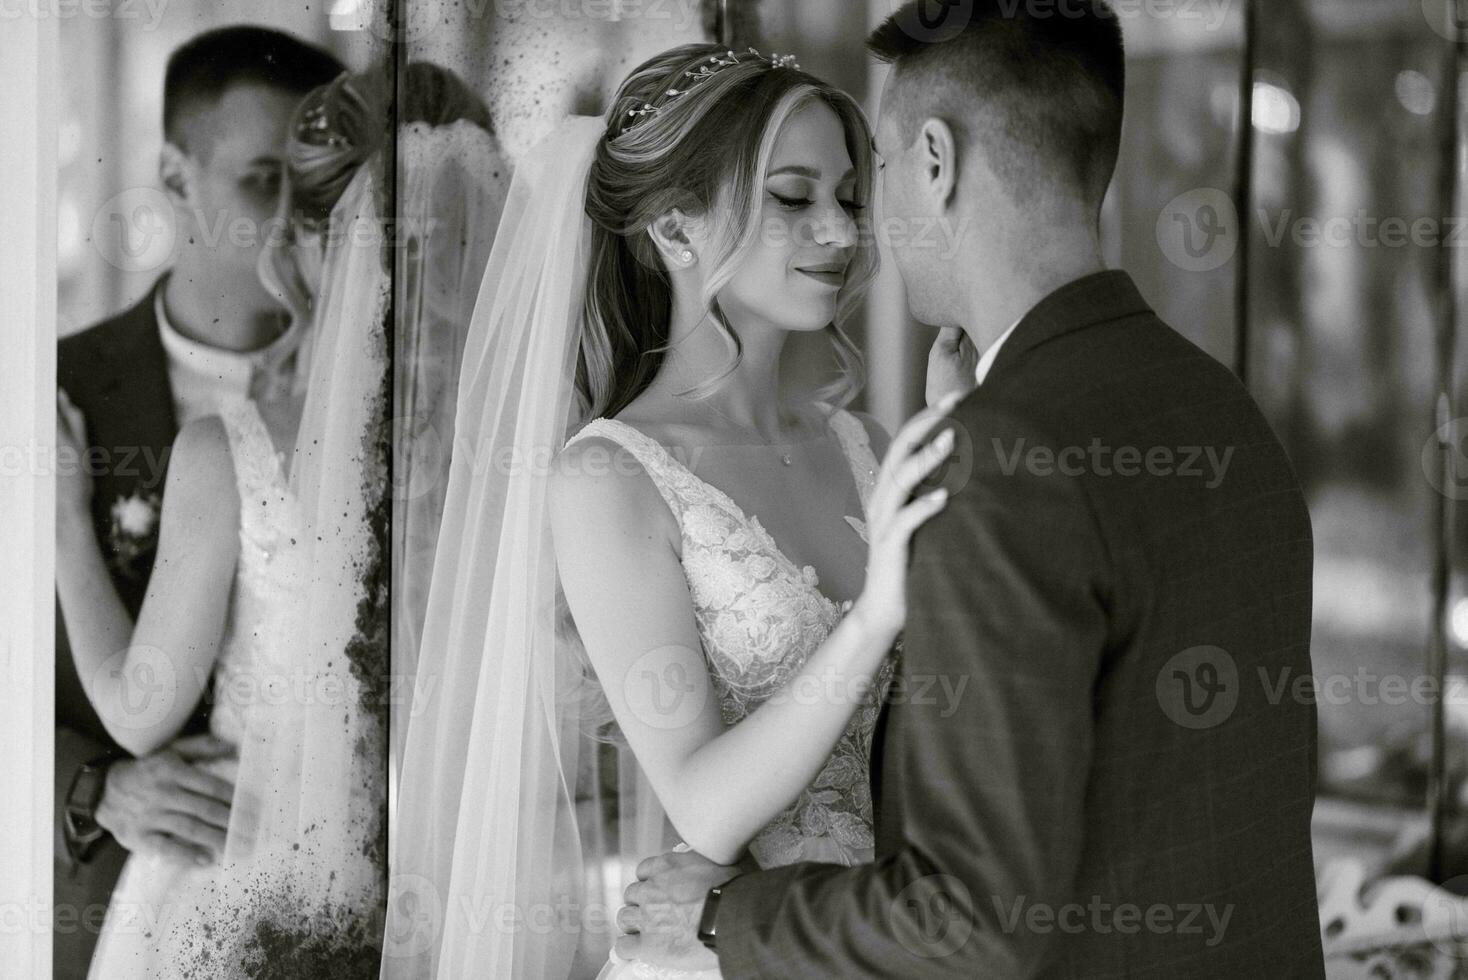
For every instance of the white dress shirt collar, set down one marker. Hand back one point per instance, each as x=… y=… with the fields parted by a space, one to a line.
x=202 y=375
x=987 y=361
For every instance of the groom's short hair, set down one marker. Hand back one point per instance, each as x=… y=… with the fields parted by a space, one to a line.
x=1028 y=80
x=202 y=69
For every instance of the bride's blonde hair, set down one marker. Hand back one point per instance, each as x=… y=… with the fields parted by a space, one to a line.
x=704 y=150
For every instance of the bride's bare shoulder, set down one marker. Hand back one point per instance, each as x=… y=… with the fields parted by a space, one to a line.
x=598 y=484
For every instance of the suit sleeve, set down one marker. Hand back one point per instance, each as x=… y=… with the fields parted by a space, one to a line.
x=987 y=751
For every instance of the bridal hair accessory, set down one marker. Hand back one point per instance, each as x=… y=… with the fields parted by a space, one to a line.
x=708 y=69
x=314 y=121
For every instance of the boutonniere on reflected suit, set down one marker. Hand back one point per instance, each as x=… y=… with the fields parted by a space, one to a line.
x=134 y=530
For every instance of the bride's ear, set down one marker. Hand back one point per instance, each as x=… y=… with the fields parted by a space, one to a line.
x=670 y=234
x=176 y=173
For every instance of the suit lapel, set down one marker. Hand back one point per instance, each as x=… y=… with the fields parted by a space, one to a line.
x=138 y=399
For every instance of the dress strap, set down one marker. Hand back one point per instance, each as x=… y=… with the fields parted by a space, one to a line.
x=257 y=469
x=857 y=445
x=674 y=482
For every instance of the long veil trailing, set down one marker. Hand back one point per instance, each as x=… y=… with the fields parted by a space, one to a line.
x=500 y=860
x=303 y=878
x=450 y=193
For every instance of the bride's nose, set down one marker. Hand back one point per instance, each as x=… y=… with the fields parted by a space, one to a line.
x=834 y=227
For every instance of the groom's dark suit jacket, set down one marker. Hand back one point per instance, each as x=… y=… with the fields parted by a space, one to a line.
x=116 y=373
x=1122 y=788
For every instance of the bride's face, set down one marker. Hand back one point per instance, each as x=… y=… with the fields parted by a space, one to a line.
x=793 y=275
x=290 y=264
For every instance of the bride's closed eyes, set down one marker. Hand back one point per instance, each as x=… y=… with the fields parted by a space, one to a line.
x=801 y=203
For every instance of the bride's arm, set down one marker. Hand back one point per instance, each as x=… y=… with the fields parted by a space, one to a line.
x=163 y=663
x=616 y=547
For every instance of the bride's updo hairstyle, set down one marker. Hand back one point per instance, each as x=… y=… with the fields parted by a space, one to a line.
x=336 y=130
x=703 y=147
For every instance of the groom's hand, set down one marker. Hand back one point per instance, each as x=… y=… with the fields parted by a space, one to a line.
x=663 y=907
x=166 y=804
x=952 y=364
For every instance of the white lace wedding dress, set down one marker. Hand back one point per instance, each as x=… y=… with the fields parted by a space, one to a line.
x=760 y=617
x=264 y=910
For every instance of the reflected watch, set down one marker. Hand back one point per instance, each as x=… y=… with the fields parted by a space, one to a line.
x=82 y=797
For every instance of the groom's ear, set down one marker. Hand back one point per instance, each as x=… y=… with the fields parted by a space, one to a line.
x=938 y=160
x=176 y=172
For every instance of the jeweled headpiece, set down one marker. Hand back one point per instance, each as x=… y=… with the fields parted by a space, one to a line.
x=314 y=120
x=708 y=69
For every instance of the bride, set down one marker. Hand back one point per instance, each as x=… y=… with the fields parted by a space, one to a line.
x=714 y=557
x=268 y=599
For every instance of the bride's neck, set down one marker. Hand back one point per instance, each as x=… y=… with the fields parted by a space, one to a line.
x=749 y=397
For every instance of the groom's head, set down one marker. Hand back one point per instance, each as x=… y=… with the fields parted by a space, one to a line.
x=1003 y=113
x=228 y=98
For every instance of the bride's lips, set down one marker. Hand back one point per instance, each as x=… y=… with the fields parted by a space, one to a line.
x=830 y=273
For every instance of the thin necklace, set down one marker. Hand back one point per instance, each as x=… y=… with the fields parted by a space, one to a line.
x=785 y=457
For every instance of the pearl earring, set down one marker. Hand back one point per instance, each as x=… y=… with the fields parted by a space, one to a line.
x=686 y=255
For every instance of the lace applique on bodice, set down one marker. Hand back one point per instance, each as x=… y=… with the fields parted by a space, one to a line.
x=269 y=578
x=760 y=617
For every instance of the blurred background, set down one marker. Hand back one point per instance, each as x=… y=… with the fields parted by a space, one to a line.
x=1301 y=228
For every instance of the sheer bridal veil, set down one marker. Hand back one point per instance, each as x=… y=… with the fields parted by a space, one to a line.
x=499 y=854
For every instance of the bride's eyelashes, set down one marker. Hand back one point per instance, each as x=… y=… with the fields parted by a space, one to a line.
x=801 y=203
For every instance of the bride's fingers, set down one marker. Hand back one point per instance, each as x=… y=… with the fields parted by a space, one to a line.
x=908 y=473
x=916 y=468
x=908 y=441
x=918 y=513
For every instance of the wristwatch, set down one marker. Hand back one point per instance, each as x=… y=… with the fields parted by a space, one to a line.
x=708 y=924
x=80 y=820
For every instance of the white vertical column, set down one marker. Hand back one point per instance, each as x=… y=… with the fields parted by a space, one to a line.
x=28 y=110
x=892 y=339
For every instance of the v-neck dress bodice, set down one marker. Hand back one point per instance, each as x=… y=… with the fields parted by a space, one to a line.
x=760 y=617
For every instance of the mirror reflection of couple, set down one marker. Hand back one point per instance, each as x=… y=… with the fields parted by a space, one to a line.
x=221 y=719
x=647 y=617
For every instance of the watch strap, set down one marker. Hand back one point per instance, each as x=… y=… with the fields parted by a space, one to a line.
x=82 y=832
x=708 y=922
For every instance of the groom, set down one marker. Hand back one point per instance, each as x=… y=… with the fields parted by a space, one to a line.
x=1118 y=793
